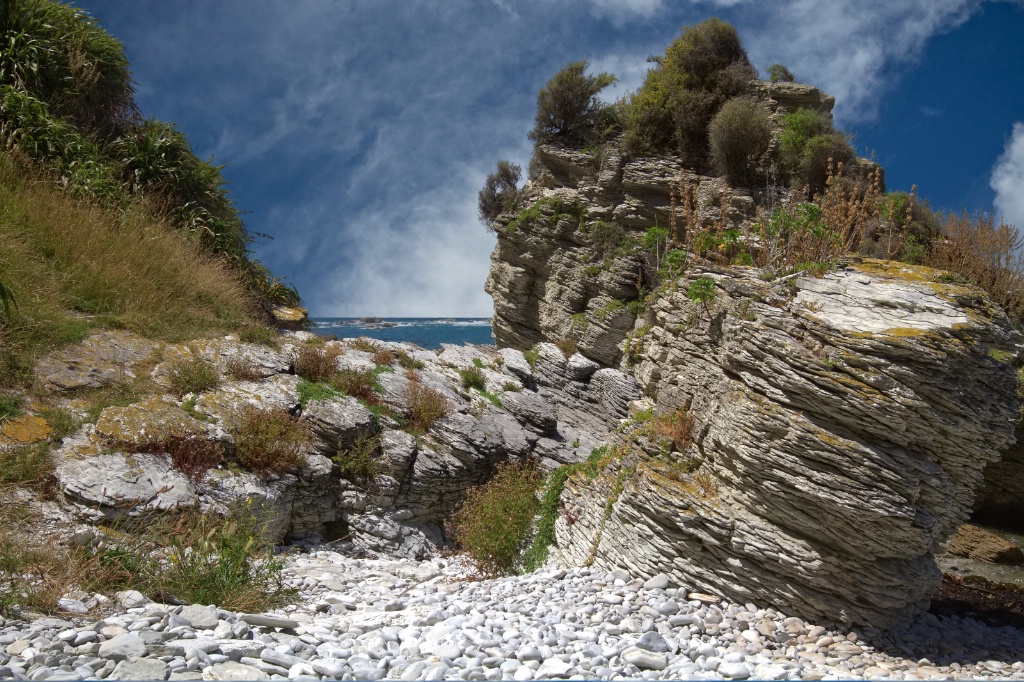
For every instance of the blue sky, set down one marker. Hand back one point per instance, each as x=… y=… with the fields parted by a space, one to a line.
x=358 y=132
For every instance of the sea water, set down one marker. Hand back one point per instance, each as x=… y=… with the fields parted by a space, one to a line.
x=426 y=332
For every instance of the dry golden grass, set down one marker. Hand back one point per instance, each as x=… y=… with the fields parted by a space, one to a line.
x=986 y=254
x=72 y=265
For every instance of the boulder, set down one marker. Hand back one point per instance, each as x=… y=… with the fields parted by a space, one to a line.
x=290 y=317
x=977 y=543
x=840 y=428
x=104 y=358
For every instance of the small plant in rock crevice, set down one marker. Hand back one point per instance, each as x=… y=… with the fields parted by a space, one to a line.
x=426 y=405
x=702 y=292
x=358 y=460
x=495 y=518
x=193 y=375
x=269 y=441
x=472 y=377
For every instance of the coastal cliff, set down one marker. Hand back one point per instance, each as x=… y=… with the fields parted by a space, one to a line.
x=838 y=422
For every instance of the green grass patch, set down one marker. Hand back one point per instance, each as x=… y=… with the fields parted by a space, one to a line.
x=313 y=390
x=537 y=553
x=194 y=375
x=472 y=377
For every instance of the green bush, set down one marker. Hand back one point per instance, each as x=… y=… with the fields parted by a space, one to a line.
x=806 y=144
x=777 y=73
x=269 y=441
x=67 y=103
x=702 y=292
x=358 y=460
x=568 y=110
x=671 y=111
x=194 y=375
x=500 y=194
x=472 y=377
x=739 y=137
x=60 y=54
x=495 y=518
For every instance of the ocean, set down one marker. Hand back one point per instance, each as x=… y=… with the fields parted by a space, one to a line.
x=426 y=332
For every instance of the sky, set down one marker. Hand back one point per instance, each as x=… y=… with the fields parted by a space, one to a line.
x=357 y=133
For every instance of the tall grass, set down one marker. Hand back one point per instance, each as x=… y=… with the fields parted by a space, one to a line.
x=72 y=266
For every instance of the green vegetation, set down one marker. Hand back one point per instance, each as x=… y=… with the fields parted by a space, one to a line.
x=532 y=356
x=103 y=213
x=500 y=194
x=407 y=362
x=193 y=375
x=107 y=220
x=777 y=73
x=810 y=149
x=10 y=406
x=26 y=464
x=495 y=518
x=739 y=136
x=310 y=390
x=700 y=71
x=568 y=110
x=358 y=460
x=702 y=292
x=537 y=553
x=269 y=441
x=472 y=377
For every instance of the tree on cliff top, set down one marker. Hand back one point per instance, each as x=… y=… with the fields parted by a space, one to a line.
x=702 y=69
x=568 y=109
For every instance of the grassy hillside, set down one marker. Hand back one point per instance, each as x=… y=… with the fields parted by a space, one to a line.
x=107 y=219
x=72 y=265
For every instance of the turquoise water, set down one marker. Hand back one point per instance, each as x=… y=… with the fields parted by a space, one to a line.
x=427 y=332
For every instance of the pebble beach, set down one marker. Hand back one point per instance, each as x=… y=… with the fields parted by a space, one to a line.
x=377 y=618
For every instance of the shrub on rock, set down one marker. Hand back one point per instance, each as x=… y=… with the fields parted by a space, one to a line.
x=495 y=519
x=739 y=136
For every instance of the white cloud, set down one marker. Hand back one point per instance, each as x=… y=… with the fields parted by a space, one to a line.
x=1008 y=179
x=621 y=11
x=849 y=49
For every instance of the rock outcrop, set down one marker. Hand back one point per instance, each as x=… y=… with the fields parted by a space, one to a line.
x=839 y=429
x=399 y=497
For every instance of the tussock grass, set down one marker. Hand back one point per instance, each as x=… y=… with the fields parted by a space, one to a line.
x=194 y=375
x=200 y=558
x=426 y=405
x=73 y=266
x=269 y=441
x=316 y=364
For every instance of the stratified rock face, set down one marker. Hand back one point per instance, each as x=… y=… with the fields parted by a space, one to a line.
x=840 y=428
x=572 y=271
x=397 y=499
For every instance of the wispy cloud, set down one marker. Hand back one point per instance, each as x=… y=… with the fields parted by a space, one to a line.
x=853 y=50
x=1008 y=179
x=358 y=133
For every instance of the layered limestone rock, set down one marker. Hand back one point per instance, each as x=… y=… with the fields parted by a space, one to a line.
x=570 y=265
x=362 y=476
x=840 y=427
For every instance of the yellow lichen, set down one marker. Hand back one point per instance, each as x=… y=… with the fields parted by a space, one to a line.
x=24 y=430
